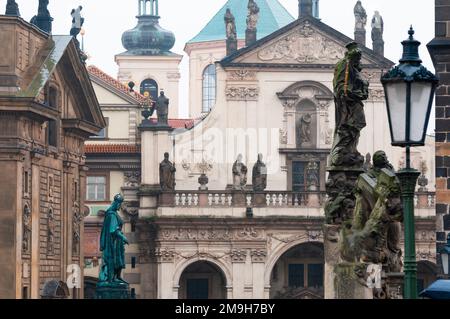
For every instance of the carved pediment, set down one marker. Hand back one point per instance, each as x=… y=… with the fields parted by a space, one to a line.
x=304 y=43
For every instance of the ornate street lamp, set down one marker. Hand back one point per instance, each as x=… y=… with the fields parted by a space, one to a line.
x=445 y=252
x=409 y=88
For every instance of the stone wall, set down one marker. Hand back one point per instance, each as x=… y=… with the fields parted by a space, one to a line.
x=439 y=49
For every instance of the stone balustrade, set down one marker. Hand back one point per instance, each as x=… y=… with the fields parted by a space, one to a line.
x=425 y=200
x=242 y=199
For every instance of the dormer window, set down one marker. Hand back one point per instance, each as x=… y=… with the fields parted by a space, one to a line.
x=53 y=97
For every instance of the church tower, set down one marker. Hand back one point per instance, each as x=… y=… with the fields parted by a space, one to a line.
x=148 y=61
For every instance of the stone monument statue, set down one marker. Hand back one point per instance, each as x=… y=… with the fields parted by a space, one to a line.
x=253 y=15
x=350 y=90
x=43 y=20
x=252 y=22
x=162 y=109
x=360 y=23
x=12 y=8
x=167 y=174
x=239 y=174
x=304 y=130
x=112 y=245
x=231 y=33
x=77 y=21
x=377 y=33
x=259 y=177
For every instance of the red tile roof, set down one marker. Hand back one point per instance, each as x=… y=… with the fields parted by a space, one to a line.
x=112 y=148
x=93 y=70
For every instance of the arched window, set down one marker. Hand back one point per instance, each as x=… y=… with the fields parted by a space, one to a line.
x=209 y=88
x=150 y=86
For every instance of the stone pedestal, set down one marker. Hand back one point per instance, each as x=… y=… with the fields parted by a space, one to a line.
x=106 y=290
x=347 y=283
x=250 y=37
x=394 y=285
x=331 y=256
x=360 y=37
x=231 y=46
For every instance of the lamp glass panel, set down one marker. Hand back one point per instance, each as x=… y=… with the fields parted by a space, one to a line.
x=444 y=258
x=420 y=99
x=396 y=95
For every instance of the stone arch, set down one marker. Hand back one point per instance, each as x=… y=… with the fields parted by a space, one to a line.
x=292 y=90
x=426 y=273
x=280 y=251
x=220 y=265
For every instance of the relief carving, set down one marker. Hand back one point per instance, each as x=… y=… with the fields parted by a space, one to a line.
x=132 y=178
x=304 y=45
x=242 y=93
x=242 y=75
x=238 y=256
x=258 y=256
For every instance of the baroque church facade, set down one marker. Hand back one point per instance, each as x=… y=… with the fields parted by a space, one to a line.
x=265 y=104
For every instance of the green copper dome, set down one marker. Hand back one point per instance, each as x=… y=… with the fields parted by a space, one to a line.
x=272 y=16
x=148 y=37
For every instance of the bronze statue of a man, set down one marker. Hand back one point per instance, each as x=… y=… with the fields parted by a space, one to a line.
x=350 y=90
x=167 y=174
x=259 y=177
x=12 y=8
x=112 y=245
x=162 y=109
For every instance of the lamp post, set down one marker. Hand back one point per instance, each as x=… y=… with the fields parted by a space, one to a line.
x=409 y=88
x=445 y=252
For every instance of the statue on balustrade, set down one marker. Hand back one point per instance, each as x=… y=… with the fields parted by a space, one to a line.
x=253 y=15
x=350 y=90
x=360 y=17
x=162 y=109
x=12 y=8
x=167 y=174
x=112 y=246
x=259 y=178
x=373 y=234
x=239 y=174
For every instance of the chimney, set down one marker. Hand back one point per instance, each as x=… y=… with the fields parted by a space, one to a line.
x=305 y=8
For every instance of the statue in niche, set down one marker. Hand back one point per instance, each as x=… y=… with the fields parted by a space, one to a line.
x=167 y=174
x=51 y=228
x=304 y=134
x=252 y=16
x=360 y=17
x=259 y=177
x=373 y=234
x=77 y=21
x=377 y=27
x=350 y=90
x=162 y=109
x=112 y=245
x=230 y=25
x=312 y=176
x=239 y=174
x=12 y=8
x=26 y=232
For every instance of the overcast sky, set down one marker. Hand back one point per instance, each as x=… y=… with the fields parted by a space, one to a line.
x=106 y=20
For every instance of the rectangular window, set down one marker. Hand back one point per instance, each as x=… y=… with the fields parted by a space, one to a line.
x=133 y=262
x=315 y=275
x=104 y=132
x=26 y=182
x=52 y=133
x=96 y=188
x=296 y=275
x=298 y=176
